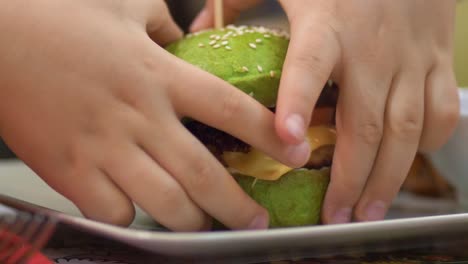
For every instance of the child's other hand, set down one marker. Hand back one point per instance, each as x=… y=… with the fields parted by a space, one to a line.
x=393 y=63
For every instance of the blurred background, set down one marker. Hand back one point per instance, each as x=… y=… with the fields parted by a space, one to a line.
x=270 y=14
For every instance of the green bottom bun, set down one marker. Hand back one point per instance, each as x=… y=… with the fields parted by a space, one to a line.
x=293 y=200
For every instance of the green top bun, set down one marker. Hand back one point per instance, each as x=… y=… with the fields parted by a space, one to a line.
x=250 y=58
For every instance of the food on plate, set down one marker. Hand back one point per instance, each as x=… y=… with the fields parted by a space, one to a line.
x=251 y=59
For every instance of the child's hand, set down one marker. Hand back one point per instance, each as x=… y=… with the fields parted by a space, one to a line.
x=393 y=63
x=93 y=105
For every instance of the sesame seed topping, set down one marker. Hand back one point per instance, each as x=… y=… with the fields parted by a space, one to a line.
x=213 y=36
x=228 y=48
x=272 y=74
x=258 y=40
x=212 y=42
x=259 y=68
x=201 y=45
x=224 y=43
x=252 y=45
x=245 y=69
x=217 y=46
x=217 y=38
x=267 y=36
x=234 y=35
x=251 y=94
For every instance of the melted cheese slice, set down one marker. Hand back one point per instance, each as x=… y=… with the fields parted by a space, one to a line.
x=259 y=165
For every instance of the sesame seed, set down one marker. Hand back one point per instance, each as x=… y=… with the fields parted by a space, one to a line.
x=253 y=183
x=261 y=30
x=212 y=42
x=251 y=94
x=224 y=43
x=213 y=36
x=240 y=33
x=253 y=46
x=259 y=68
x=201 y=45
x=245 y=69
x=217 y=46
x=272 y=74
x=234 y=35
x=228 y=48
x=267 y=36
x=217 y=37
x=258 y=40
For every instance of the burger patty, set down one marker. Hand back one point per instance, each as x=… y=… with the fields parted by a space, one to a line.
x=216 y=140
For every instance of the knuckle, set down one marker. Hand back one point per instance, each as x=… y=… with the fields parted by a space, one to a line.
x=231 y=105
x=314 y=64
x=202 y=176
x=449 y=114
x=370 y=131
x=444 y=123
x=171 y=199
x=405 y=123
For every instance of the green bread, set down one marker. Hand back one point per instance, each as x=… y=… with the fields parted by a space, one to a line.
x=296 y=198
x=293 y=200
x=239 y=63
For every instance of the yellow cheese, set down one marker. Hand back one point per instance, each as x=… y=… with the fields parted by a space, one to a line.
x=258 y=165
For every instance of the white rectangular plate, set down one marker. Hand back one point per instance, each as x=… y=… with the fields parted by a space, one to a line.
x=18 y=181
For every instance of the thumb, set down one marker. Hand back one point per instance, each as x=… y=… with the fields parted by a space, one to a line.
x=312 y=55
x=161 y=27
x=232 y=9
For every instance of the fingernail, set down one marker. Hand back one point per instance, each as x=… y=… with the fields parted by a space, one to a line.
x=376 y=211
x=342 y=216
x=198 y=22
x=259 y=222
x=296 y=126
x=299 y=154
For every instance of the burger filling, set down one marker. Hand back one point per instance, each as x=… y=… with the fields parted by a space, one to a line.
x=239 y=157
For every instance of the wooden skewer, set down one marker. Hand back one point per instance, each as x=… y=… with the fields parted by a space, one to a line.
x=219 y=14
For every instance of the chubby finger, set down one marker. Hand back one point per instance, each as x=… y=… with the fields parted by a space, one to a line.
x=359 y=123
x=312 y=54
x=203 y=178
x=232 y=9
x=96 y=196
x=442 y=108
x=404 y=117
x=154 y=190
x=227 y=108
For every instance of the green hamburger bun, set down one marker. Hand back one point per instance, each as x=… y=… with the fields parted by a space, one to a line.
x=251 y=59
x=293 y=200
